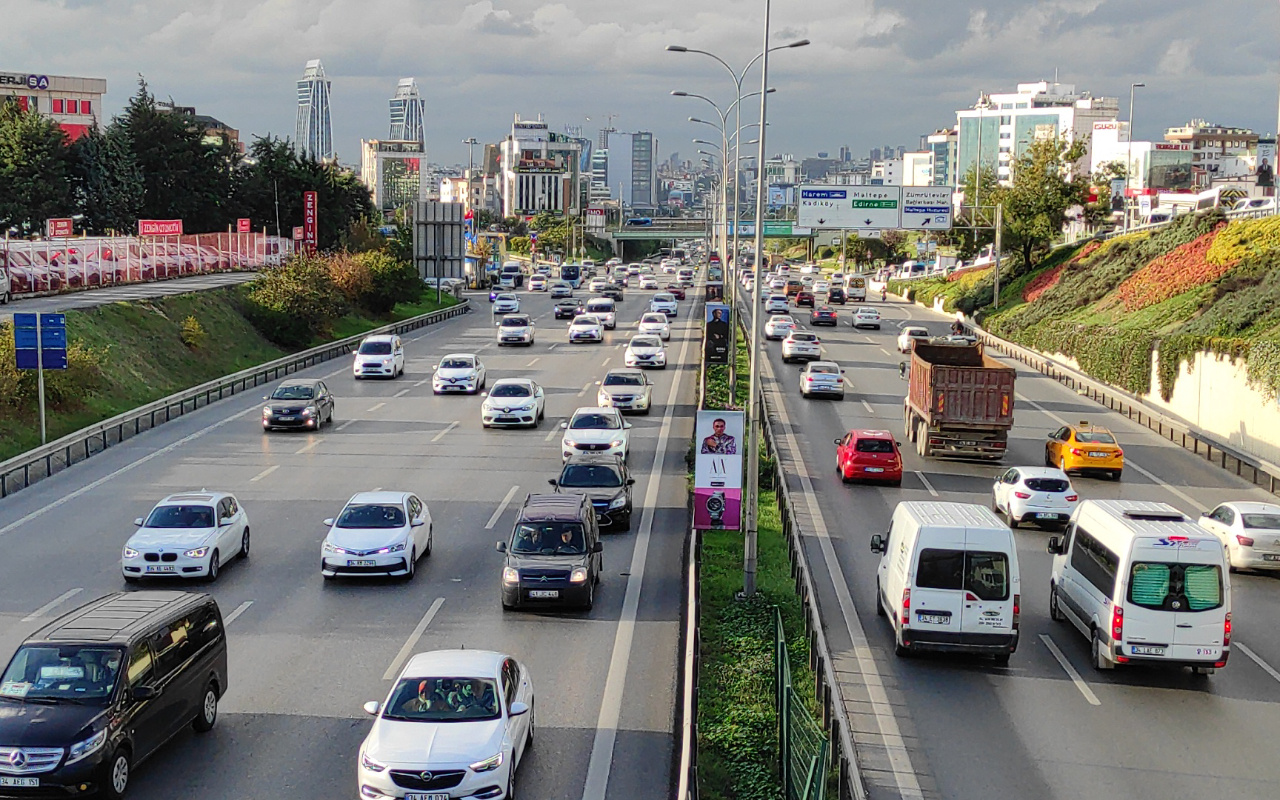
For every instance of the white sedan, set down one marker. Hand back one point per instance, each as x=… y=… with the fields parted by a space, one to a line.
x=457 y=721
x=513 y=401
x=586 y=328
x=596 y=430
x=801 y=346
x=866 y=318
x=1251 y=532
x=645 y=350
x=515 y=329
x=656 y=323
x=648 y=282
x=506 y=303
x=187 y=536
x=910 y=335
x=821 y=286
x=377 y=533
x=776 y=304
x=1038 y=495
x=665 y=302
x=458 y=372
x=779 y=326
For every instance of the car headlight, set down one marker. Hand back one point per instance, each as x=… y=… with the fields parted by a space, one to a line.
x=266 y=411
x=129 y=552
x=370 y=764
x=88 y=747
x=488 y=765
x=199 y=552
x=579 y=575
x=395 y=548
x=617 y=443
x=386 y=362
x=570 y=443
x=308 y=411
x=510 y=576
x=618 y=502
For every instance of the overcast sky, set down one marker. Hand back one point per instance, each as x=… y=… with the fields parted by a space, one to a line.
x=877 y=73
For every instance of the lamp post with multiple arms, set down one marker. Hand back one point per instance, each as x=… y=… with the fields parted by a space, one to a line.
x=1128 y=163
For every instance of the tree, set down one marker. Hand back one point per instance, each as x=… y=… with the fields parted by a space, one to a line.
x=1045 y=185
x=107 y=181
x=35 y=170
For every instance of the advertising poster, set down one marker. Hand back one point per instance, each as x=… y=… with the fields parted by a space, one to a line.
x=717 y=333
x=310 y=206
x=1266 y=166
x=717 y=492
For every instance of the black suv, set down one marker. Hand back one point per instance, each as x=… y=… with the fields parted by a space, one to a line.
x=100 y=689
x=606 y=483
x=555 y=555
x=836 y=295
x=613 y=291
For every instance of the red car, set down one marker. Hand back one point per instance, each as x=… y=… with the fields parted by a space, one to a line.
x=822 y=315
x=676 y=290
x=804 y=298
x=869 y=455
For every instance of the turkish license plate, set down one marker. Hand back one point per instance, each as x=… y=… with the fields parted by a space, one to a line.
x=286 y=419
x=508 y=419
x=1099 y=454
x=543 y=594
x=934 y=619
x=1271 y=556
x=1046 y=515
x=161 y=568
x=362 y=562
x=420 y=796
x=510 y=338
x=966 y=444
x=4 y=781
x=875 y=469
x=1145 y=650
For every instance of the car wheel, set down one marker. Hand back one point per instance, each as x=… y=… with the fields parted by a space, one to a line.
x=1048 y=458
x=511 y=784
x=1062 y=464
x=1100 y=660
x=899 y=649
x=1115 y=476
x=1002 y=660
x=591 y=596
x=625 y=525
x=213 y=567
x=244 y=543
x=412 y=564
x=1055 y=612
x=116 y=780
x=1013 y=520
x=208 y=713
x=528 y=736
x=879 y=604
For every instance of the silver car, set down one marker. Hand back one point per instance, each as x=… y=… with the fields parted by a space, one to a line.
x=822 y=378
x=626 y=390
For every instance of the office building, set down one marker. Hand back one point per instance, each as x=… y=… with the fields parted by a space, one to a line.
x=396 y=173
x=942 y=144
x=314 y=130
x=1217 y=151
x=630 y=168
x=917 y=168
x=407 y=111
x=539 y=170
x=215 y=130
x=74 y=103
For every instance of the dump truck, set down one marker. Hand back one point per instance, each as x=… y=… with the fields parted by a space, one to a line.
x=959 y=402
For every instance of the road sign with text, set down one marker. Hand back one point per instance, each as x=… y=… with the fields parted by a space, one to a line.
x=40 y=340
x=926 y=208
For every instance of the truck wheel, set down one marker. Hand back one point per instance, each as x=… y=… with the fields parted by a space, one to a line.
x=906 y=423
x=922 y=440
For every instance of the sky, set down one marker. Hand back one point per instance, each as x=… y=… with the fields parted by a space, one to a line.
x=876 y=73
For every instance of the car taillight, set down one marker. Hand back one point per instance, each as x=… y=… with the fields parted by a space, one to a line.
x=1076 y=451
x=906 y=603
x=1244 y=541
x=1017 y=609
x=1119 y=452
x=1117 y=623
x=808 y=378
x=999 y=445
x=1071 y=498
x=1022 y=495
x=1226 y=630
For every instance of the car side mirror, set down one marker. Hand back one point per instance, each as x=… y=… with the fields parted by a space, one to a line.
x=372 y=708
x=896 y=443
x=598 y=547
x=553 y=481
x=1054 y=546
x=837 y=441
x=265 y=397
x=144 y=692
x=435 y=367
x=564 y=425
x=328 y=523
x=138 y=522
x=417 y=523
x=501 y=547
x=518 y=709
x=626 y=426
x=1204 y=513
x=877 y=543
x=631 y=481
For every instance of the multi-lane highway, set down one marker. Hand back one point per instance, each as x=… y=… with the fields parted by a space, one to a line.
x=1048 y=725
x=305 y=654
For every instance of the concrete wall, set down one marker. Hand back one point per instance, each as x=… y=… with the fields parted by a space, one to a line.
x=1215 y=395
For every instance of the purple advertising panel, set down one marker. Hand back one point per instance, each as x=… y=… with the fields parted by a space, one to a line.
x=717 y=492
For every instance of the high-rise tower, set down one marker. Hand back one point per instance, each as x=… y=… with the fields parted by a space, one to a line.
x=314 y=135
x=407 y=110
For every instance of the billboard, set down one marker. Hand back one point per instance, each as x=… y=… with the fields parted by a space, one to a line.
x=716 y=338
x=58 y=227
x=1266 y=164
x=717 y=482
x=159 y=227
x=309 y=213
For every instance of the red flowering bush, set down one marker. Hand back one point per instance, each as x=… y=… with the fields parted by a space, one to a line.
x=1042 y=283
x=1180 y=270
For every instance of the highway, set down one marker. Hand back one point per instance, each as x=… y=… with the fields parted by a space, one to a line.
x=305 y=655
x=1048 y=726
x=121 y=293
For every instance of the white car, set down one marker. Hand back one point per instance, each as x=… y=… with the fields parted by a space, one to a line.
x=597 y=284
x=837 y=279
x=866 y=318
x=513 y=401
x=506 y=303
x=821 y=286
x=645 y=350
x=1250 y=530
x=779 y=326
x=586 y=328
x=458 y=372
x=821 y=377
x=648 y=282
x=666 y=303
x=538 y=283
x=187 y=535
x=515 y=329
x=655 y=322
x=561 y=290
x=596 y=430
x=1042 y=496
x=776 y=304
x=801 y=346
x=377 y=533
x=910 y=335
x=605 y=310
x=457 y=721
x=379 y=356
x=626 y=390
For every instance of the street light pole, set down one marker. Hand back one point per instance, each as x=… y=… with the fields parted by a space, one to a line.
x=470 y=142
x=1128 y=164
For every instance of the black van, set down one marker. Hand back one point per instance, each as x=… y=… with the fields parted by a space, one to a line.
x=555 y=555
x=92 y=694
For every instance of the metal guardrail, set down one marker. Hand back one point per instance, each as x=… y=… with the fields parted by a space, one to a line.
x=687 y=777
x=23 y=470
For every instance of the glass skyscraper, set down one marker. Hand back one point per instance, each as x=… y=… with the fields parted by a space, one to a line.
x=314 y=135
x=407 y=110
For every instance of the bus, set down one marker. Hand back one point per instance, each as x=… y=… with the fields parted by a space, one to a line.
x=571 y=274
x=856 y=288
x=640 y=222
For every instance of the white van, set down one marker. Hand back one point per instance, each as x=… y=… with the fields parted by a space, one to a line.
x=1143 y=583
x=605 y=310
x=948 y=580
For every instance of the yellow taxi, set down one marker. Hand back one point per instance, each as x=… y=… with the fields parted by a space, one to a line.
x=1084 y=449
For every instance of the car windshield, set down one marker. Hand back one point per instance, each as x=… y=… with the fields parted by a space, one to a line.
x=983 y=573
x=645 y=341
x=823 y=369
x=1055 y=485
x=293 y=393
x=443 y=700
x=510 y=390
x=623 y=379
x=456 y=363
x=371 y=516
x=375 y=348
x=594 y=422
x=1264 y=521
x=549 y=539
x=590 y=476
x=586 y=320
x=803 y=337
x=1095 y=437
x=917 y=332
x=1172 y=587
x=600 y=306
x=874 y=446
x=506 y=297
x=181 y=517
x=515 y=322
x=654 y=319
x=75 y=673
x=663 y=298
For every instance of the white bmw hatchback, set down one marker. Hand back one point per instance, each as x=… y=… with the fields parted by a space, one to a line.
x=187 y=535
x=377 y=533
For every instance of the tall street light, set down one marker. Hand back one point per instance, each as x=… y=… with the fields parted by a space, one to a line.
x=470 y=142
x=1128 y=164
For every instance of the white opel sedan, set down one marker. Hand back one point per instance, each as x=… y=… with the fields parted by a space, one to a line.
x=379 y=357
x=596 y=430
x=377 y=533
x=458 y=372
x=656 y=323
x=645 y=350
x=456 y=723
x=187 y=535
x=778 y=326
x=586 y=328
x=513 y=401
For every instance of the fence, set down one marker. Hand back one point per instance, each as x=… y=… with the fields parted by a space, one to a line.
x=35 y=465
x=805 y=757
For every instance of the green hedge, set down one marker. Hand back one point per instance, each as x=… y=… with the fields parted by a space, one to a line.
x=1115 y=355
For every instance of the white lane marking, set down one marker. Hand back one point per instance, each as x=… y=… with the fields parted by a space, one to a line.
x=867 y=406
x=886 y=720
x=605 y=363
x=847 y=382
x=585 y=387
x=554 y=346
x=597 y=782
x=1128 y=463
x=306 y=447
x=1257 y=659
x=69 y=496
x=926 y=483
x=441 y=434
x=501 y=507
x=240 y=609
x=401 y=393
x=869 y=340
x=375 y=408
x=886 y=352
x=52 y=604
x=421 y=382
x=1071 y=671
x=551 y=434
x=345 y=425
x=535 y=361
x=264 y=473
x=412 y=641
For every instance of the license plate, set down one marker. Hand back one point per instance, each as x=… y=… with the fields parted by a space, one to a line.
x=511 y=338
x=1046 y=515
x=508 y=419
x=1098 y=454
x=966 y=444
x=364 y=562
x=286 y=419
x=161 y=568
x=1209 y=652
x=19 y=781
x=1270 y=557
x=420 y=796
x=875 y=469
x=544 y=594
x=1143 y=650
x=934 y=619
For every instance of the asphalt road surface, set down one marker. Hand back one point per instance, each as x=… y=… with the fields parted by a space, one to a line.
x=1048 y=726
x=304 y=655
x=88 y=298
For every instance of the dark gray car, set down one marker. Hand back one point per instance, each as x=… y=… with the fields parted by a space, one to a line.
x=605 y=481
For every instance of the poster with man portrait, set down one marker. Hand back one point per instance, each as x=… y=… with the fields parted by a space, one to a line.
x=1265 y=168
x=717 y=482
x=717 y=333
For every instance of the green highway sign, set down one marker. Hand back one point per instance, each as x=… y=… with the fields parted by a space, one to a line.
x=875 y=203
